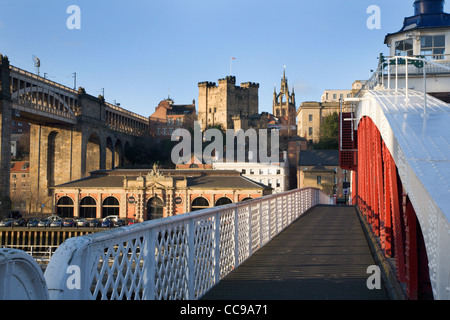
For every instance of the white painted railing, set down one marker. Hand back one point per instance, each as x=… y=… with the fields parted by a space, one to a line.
x=179 y=257
x=21 y=277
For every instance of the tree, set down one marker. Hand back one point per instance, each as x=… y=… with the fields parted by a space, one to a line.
x=329 y=133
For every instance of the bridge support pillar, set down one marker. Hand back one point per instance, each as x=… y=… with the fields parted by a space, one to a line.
x=5 y=136
x=55 y=158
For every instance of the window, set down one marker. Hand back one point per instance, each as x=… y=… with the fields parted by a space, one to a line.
x=223 y=201
x=65 y=207
x=278 y=171
x=155 y=208
x=310 y=131
x=404 y=48
x=261 y=171
x=199 y=204
x=319 y=180
x=251 y=171
x=88 y=208
x=110 y=207
x=278 y=183
x=335 y=96
x=244 y=171
x=310 y=117
x=433 y=46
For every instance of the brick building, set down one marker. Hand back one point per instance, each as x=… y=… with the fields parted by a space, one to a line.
x=168 y=117
x=152 y=193
x=20 y=184
x=320 y=169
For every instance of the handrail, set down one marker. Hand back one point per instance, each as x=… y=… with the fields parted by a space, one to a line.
x=401 y=64
x=21 y=277
x=179 y=257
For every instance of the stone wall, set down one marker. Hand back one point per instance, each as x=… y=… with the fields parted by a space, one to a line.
x=217 y=104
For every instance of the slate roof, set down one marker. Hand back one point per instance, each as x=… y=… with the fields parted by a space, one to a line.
x=319 y=157
x=211 y=182
x=195 y=180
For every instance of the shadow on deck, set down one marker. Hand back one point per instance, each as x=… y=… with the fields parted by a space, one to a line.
x=324 y=255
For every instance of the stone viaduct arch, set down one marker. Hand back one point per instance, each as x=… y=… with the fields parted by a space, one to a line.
x=72 y=133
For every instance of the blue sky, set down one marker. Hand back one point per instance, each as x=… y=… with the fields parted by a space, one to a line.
x=138 y=50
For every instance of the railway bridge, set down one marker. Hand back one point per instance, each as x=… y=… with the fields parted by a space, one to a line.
x=72 y=132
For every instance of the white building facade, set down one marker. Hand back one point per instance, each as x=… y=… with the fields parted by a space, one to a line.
x=275 y=174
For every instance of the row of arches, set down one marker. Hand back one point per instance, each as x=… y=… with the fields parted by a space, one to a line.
x=114 y=153
x=200 y=203
x=97 y=155
x=65 y=206
x=88 y=207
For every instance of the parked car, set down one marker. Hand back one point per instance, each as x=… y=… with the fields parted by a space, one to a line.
x=132 y=221
x=119 y=223
x=44 y=223
x=113 y=217
x=21 y=222
x=69 y=223
x=94 y=223
x=82 y=222
x=107 y=223
x=55 y=223
x=33 y=222
x=8 y=222
x=53 y=218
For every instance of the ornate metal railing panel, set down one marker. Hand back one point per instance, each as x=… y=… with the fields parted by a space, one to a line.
x=179 y=257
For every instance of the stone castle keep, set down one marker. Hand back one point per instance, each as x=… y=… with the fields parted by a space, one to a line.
x=226 y=103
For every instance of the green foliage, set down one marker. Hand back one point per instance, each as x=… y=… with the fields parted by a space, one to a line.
x=329 y=133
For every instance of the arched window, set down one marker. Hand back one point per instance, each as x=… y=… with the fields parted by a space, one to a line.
x=64 y=207
x=110 y=207
x=223 y=201
x=155 y=208
x=246 y=199
x=88 y=208
x=199 y=204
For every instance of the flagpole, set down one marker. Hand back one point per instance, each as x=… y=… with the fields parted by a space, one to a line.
x=231 y=61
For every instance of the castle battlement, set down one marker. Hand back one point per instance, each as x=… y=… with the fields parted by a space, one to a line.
x=228 y=79
x=249 y=85
x=207 y=84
